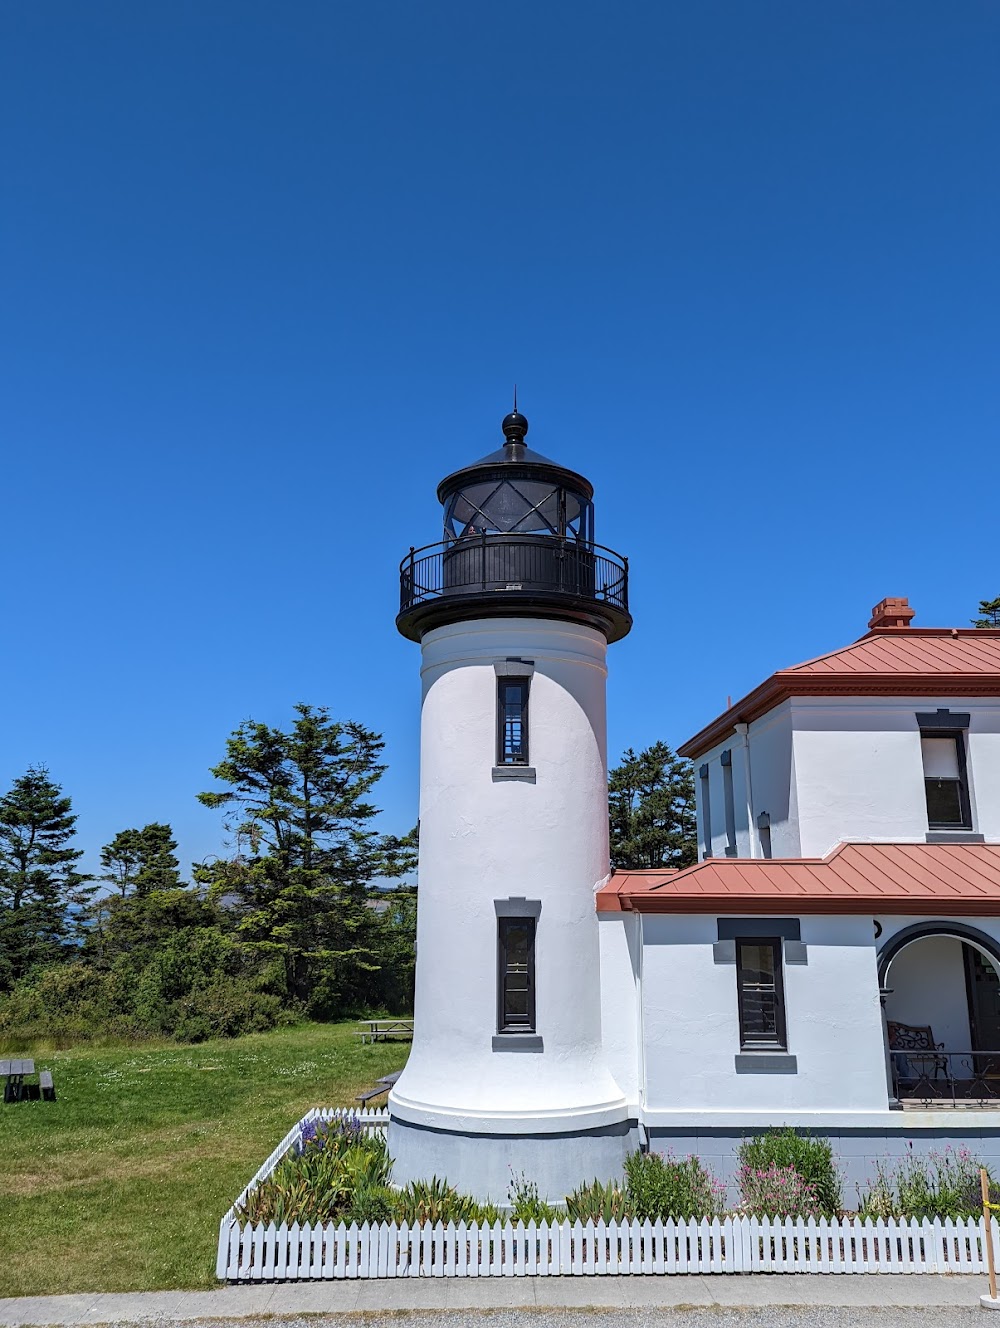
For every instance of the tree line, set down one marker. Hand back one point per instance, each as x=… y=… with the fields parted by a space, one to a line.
x=292 y=921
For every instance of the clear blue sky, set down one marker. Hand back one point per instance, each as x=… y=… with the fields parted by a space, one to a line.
x=271 y=269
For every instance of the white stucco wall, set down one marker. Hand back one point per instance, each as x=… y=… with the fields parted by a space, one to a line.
x=829 y=769
x=484 y=838
x=621 y=963
x=691 y=1023
x=771 y=786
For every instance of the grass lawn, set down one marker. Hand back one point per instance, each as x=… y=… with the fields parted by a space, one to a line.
x=120 y=1184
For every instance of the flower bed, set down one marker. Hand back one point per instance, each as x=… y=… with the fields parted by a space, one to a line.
x=321 y=1207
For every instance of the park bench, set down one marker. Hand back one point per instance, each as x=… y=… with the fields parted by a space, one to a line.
x=384 y=1030
x=386 y=1082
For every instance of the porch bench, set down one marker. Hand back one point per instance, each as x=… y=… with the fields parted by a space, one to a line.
x=917 y=1039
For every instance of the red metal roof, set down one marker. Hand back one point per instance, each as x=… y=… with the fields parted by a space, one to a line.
x=890 y=661
x=953 y=879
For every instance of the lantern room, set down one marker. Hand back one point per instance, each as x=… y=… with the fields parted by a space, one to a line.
x=518 y=541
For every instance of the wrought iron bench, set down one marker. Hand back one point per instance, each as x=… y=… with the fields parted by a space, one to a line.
x=916 y=1041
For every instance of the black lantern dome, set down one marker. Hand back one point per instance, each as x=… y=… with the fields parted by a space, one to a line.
x=518 y=541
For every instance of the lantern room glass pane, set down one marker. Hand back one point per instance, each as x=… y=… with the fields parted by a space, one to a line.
x=517 y=507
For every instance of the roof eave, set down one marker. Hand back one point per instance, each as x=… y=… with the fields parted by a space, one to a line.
x=792 y=905
x=781 y=686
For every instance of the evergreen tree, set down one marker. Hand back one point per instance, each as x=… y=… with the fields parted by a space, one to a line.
x=140 y=861
x=989 y=613
x=297 y=885
x=120 y=861
x=652 y=810
x=41 y=891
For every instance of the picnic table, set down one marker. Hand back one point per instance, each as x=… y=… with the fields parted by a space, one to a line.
x=382 y=1030
x=14 y=1073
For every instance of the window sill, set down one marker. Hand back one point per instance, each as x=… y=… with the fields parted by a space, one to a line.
x=525 y=772
x=766 y=1062
x=959 y=835
x=517 y=1042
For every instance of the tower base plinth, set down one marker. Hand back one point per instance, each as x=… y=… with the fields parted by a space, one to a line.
x=482 y=1165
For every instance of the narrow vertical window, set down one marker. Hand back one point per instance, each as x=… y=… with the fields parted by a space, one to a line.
x=512 y=721
x=761 y=994
x=516 y=975
x=764 y=830
x=704 y=803
x=729 y=802
x=945 y=781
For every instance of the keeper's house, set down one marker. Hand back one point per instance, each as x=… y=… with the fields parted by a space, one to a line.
x=831 y=961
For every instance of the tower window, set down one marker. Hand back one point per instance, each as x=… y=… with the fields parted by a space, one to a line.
x=516 y=975
x=761 y=994
x=945 y=781
x=512 y=721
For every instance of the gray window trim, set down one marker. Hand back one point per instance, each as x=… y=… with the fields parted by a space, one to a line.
x=766 y=1062
x=514 y=668
x=525 y=772
x=516 y=906
x=795 y=950
x=789 y=929
x=517 y=1042
x=944 y=719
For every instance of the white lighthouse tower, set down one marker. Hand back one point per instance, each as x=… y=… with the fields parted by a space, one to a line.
x=514 y=611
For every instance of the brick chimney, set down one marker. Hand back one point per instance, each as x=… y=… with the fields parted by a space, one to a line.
x=893 y=611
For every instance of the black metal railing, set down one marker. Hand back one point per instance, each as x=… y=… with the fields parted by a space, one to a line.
x=940 y=1076
x=481 y=564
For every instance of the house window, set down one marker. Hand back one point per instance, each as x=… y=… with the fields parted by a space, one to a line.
x=516 y=975
x=945 y=781
x=512 y=721
x=729 y=802
x=704 y=802
x=761 y=994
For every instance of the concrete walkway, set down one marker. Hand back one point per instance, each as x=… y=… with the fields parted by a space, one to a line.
x=290 y=1300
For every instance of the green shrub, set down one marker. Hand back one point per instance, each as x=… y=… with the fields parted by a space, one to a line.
x=811 y=1158
x=596 y=1202
x=944 y=1184
x=659 y=1185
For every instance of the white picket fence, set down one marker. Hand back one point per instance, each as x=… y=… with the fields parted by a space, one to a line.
x=255 y=1252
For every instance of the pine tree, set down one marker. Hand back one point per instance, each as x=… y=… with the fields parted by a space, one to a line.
x=140 y=861
x=989 y=613
x=652 y=810
x=42 y=893
x=297 y=884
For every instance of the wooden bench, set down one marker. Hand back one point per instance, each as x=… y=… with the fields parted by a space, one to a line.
x=382 y=1030
x=386 y=1082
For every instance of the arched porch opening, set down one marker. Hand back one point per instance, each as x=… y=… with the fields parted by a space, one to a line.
x=941 y=997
